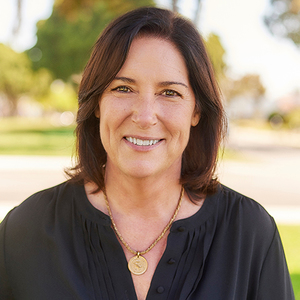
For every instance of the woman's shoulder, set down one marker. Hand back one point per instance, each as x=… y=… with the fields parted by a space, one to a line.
x=240 y=211
x=41 y=205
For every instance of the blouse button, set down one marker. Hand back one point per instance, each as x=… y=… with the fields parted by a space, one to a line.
x=181 y=228
x=171 y=261
x=160 y=289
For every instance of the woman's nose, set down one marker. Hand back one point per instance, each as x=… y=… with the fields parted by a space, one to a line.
x=144 y=111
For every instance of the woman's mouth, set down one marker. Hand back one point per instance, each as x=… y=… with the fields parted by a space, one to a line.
x=141 y=142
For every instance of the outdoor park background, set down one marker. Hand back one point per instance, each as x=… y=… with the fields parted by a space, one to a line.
x=254 y=48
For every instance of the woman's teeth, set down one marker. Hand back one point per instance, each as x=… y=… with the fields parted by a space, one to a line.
x=141 y=142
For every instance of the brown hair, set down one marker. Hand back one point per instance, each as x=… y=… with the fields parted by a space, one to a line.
x=110 y=51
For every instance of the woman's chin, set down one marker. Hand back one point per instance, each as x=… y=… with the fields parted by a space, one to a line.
x=140 y=171
x=138 y=168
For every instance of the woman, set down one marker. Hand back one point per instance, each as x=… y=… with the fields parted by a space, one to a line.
x=143 y=215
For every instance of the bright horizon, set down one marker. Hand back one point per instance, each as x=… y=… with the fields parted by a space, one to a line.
x=250 y=48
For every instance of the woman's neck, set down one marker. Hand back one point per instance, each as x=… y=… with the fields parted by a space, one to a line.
x=130 y=193
x=144 y=196
x=147 y=199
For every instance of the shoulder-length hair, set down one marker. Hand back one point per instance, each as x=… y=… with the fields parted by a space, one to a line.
x=109 y=54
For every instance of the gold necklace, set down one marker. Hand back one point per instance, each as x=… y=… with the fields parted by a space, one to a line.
x=138 y=264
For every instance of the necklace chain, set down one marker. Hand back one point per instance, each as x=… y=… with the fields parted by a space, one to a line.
x=138 y=253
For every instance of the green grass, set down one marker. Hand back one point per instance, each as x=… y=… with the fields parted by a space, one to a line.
x=20 y=136
x=290 y=236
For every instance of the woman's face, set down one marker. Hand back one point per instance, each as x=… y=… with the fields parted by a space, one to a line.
x=147 y=111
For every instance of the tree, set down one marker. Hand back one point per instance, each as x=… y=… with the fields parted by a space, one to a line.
x=249 y=85
x=71 y=9
x=17 y=77
x=283 y=19
x=63 y=46
x=65 y=40
x=216 y=53
x=14 y=76
x=213 y=43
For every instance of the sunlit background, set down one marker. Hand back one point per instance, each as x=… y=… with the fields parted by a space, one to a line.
x=246 y=49
x=255 y=50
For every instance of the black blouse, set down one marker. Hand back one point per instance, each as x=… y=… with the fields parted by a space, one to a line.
x=56 y=245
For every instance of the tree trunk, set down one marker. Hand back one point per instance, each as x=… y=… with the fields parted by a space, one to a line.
x=197 y=12
x=12 y=101
x=174 y=5
x=18 y=19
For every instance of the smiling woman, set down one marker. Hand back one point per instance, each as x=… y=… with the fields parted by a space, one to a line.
x=145 y=124
x=177 y=51
x=143 y=215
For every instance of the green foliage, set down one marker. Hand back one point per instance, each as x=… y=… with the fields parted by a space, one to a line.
x=70 y=8
x=41 y=82
x=15 y=73
x=216 y=54
x=283 y=19
x=293 y=118
x=17 y=77
x=64 y=45
x=61 y=97
x=65 y=40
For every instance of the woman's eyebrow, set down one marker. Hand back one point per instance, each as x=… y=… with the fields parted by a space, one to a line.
x=125 y=79
x=167 y=83
x=163 y=83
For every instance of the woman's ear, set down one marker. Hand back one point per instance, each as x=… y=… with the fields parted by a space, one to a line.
x=195 y=117
x=97 y=112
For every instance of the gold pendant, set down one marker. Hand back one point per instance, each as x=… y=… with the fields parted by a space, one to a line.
x=138 y=265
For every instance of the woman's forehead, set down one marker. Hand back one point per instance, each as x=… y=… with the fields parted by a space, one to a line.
x=149 y=56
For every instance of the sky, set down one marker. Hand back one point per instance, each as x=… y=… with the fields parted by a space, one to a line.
x=250 y=48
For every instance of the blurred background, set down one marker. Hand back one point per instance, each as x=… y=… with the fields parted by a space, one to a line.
x=254 y=48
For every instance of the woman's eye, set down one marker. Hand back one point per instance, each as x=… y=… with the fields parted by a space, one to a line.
x=123 y=89
x=170 y=93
